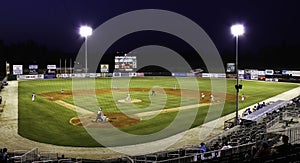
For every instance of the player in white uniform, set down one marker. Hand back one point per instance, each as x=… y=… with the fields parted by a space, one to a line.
x=99 y=115
x=128 y=97
x=212 y=98
x=32 y=97
x=202 y=95
x=243 y=98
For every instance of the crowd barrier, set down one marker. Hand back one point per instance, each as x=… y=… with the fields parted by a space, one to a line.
x=29 y=156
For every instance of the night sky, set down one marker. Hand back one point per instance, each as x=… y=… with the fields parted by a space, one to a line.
x=271 y=39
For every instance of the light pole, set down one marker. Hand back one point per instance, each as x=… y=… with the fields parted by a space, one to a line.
x=237 y=30
x=85 y=31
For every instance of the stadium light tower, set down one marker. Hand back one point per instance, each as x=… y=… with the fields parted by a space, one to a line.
x=237 y=30
x=85 y=31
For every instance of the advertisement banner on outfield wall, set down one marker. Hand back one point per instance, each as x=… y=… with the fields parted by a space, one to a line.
x=132 y=74
x=179 y=74
x=190 y=74
x=63 y=75
x=269 y=72
x=213 y=75
x=271 y=79
x=261 y=75
x=33 y=69
x=230 y=67
x=116 y=74
x=241 y=74
x=49 y=76
x=247 y=74
x=92 y=75
x=30 y=77
x=98 y=75
x=125 y=74
x=17 y=69
x=140 y=74
x=254 y=74
x=230 y=75
x=51 y=67
x=104 y=68
x=291 y=72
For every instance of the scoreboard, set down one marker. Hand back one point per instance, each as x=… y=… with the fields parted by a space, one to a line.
x=125 y=63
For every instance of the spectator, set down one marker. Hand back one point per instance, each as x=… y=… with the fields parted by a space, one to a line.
x=258 y=106
x=202 y=148
x=263 y=151
x=226 y=146
x=4 y=156
x=254 y=108
x=285 y=148
x=216 y=147
x=249 y=111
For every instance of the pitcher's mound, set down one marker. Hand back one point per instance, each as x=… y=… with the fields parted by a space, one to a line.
x=130 y=101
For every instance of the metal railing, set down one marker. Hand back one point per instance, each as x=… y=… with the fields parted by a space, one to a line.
x=29 y=156
x=273 y=122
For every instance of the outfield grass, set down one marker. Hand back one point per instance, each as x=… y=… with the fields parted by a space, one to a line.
x=47 y=122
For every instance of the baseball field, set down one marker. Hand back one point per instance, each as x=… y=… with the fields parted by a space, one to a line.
x=66 y=118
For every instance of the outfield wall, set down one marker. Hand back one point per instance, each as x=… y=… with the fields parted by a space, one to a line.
x=247 y=75
x=77 y=75
x=115 y=74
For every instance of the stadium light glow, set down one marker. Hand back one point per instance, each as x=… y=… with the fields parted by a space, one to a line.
x=85 y=31
x=237 y=30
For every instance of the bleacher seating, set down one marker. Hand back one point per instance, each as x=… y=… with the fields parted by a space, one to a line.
x=245 y=139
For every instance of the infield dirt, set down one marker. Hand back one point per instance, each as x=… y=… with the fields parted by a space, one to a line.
x=123 y=120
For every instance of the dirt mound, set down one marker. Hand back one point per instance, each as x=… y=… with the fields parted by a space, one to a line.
x=130 y=101
x=114 y=120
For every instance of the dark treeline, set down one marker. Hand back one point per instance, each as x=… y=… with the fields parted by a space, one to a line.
x=277 y=57
x=30 y=52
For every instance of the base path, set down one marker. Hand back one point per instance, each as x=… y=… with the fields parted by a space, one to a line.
x=73 y=107
x=10 y=139
x=149 y=113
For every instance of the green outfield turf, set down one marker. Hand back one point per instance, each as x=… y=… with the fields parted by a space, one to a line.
x=48 y=122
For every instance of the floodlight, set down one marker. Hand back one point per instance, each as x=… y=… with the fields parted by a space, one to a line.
x=237 y=29
x=85 y=31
